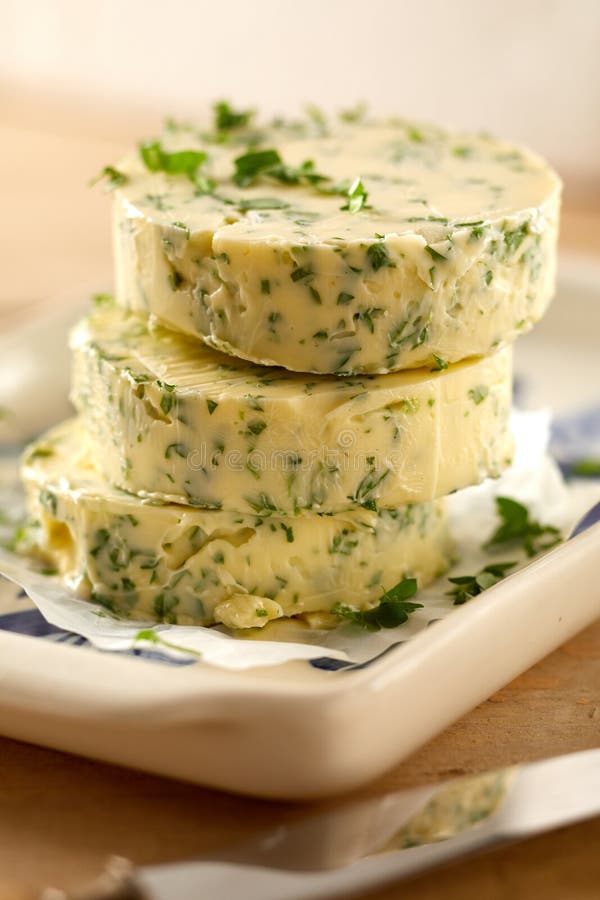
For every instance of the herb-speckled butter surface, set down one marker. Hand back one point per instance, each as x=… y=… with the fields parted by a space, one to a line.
x=172 y=419
x=190 y=566
x=450 y=251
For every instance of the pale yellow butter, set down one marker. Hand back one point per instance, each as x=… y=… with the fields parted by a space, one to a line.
x=172 y=419
x=189 y=566
x=452 y=255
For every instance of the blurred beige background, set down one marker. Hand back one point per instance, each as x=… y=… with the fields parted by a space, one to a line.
x=80 y=80
x=528 y=69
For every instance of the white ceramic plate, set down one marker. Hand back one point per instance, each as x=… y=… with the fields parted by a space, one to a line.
x=310 y=728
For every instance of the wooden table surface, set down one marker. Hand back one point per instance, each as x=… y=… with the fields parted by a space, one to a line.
x=61 y=816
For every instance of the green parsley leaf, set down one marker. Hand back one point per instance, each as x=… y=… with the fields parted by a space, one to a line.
x=254 y=163
x=435 y=254
x=182 y=162
x=518 y=527
x=302 y=273
x=354 y=114
x=479 y=393
x=365 y=492
x=179 y=449
x=114 y=178
x=393 y=609
x=467 y=586
x=269 y=163
x=101 y=300
x=182 y=227
x=256 y=426
x=289 y=532
x=175 y=280
x=227 y=119
x=586 y=468
x=514 y=239
x=357 y=197
x=440 y=363
x=378 y=257
x=261 y=203
x=205 y=186
x=415 y=134
x=305 y=172
x=152 y=637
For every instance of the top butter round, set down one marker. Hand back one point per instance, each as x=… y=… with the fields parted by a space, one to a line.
x=365 y=247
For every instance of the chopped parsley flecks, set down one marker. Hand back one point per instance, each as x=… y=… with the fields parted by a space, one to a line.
x=289 y=532
x=435 y=254
x=228 y=119
x=175 y=280
x=479 y=393
x=175 y=449
x=357 y=197
x=114 y=178
x=182 y=227
x=261 y=203
x=268 y=163
x=302 y=273
x=182 y=162
x=378 y=257
x=439 y=363
x=367 y=488
x=514 y=239
x=103 y=300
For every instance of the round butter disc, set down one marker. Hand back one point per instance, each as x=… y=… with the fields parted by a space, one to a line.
x=171 y=419
x=370 y=246
x=188 y=566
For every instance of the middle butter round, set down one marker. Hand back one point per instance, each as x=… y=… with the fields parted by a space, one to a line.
x=171 y=420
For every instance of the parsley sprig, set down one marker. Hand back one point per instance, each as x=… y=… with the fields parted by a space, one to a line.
x=517 y=526
x=467 y=586
x=394 y=608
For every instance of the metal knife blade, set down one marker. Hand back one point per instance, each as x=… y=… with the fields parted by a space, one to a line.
x=363 y=845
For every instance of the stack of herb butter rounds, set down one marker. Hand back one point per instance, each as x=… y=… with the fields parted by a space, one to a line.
x=310 y=345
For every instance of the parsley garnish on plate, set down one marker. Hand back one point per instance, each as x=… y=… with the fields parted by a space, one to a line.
x=467 y=586
x=394 y=608
x=586 y=468
x=517 y=526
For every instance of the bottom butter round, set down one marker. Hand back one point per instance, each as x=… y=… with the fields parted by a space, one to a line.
x=166 y=562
